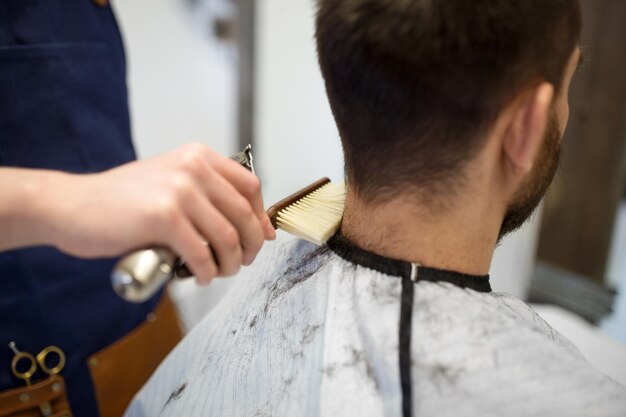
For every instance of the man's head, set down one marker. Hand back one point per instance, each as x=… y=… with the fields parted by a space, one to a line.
x=418 y=88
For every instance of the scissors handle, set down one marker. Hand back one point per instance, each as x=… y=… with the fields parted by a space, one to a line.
x=45 y=407
x=41 y=359
x=43 y=355
x=22 y=356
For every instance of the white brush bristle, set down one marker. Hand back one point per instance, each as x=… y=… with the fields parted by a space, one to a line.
x=316 y=216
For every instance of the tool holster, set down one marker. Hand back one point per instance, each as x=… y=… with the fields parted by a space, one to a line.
x=44 y=398
x=117 y=371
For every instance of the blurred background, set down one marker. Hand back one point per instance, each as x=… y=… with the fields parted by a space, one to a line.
x=232 y=72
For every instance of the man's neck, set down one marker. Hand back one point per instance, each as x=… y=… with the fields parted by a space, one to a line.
x=461 y=240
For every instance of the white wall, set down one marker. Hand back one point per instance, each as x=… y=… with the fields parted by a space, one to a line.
x=297 y=138
x=182 y=82
x=514 y=260
x=615 y=324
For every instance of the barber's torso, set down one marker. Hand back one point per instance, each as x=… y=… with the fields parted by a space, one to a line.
x=63 y=106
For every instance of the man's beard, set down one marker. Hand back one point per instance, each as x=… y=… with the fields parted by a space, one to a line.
x=532 y=191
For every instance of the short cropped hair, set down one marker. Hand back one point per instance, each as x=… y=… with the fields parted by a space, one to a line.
x=414 y=85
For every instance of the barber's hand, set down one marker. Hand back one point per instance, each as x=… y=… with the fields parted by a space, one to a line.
x=179 y=200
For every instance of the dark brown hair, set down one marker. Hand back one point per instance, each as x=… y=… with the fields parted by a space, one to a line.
x=415 y=84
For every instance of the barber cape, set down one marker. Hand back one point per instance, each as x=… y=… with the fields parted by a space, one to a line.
x=314 y=331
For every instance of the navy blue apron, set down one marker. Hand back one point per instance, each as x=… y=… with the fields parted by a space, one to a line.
x=63 y=106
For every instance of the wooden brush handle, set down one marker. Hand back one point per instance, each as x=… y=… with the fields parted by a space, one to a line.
x=273 y=211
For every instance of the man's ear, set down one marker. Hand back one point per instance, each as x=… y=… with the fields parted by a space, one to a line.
x=525 y=135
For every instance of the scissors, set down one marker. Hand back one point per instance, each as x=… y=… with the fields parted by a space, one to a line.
x=33 y=361
x=30 y=362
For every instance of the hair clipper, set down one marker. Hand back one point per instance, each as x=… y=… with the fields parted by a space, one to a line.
x=139 y=275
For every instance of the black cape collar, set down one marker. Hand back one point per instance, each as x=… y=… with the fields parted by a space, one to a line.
x=351 y=253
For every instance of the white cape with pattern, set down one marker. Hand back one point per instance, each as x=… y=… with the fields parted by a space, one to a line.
x=303 y=332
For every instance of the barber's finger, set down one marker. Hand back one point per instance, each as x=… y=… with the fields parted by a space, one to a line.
x=190 y=246
x=268 y=229
x=238 y=211
x=221 y=236
x=248 y=185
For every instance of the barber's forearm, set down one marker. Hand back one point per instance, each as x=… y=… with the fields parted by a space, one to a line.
x=181 y=200
x=26 y=209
